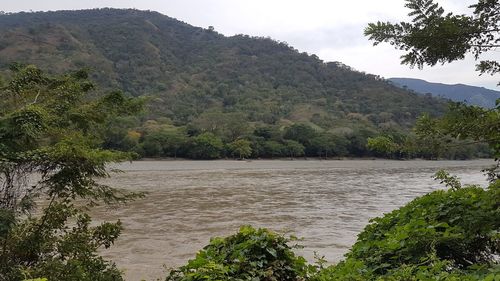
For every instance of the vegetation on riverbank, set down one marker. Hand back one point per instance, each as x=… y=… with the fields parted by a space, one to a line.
x=297 y=140
x=51 y=126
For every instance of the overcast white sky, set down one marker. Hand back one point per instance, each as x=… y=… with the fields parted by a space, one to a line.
x=331 y=29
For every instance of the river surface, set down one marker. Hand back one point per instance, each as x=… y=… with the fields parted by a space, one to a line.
x=326 y=202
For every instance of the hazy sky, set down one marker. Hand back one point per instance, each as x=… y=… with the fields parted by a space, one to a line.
x=331 y=29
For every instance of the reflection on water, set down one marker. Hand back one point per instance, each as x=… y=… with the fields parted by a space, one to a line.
x=326 y=202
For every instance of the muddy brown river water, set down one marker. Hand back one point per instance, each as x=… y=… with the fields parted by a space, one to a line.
x=326 y=202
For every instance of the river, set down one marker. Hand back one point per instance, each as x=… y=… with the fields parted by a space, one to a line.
x=326 y=202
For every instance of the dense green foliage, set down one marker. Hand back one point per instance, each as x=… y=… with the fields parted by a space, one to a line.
x=424 y=144
x=240 y=148
x=464 y=122
x=297 y=140
x=251 y=254
x=50 y=154
x=458 y=226
x=459 y=128
x=206 y=146
x=198 y=81
x=162 y=139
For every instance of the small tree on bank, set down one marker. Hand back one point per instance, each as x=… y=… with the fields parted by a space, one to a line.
x=241 y=147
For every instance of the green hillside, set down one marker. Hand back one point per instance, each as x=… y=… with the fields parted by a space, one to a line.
x=197 y=77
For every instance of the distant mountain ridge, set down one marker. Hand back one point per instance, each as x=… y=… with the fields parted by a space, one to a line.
x=459 y=92
x=187 y=71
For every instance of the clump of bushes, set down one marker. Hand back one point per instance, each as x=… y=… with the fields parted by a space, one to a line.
x=251 y=254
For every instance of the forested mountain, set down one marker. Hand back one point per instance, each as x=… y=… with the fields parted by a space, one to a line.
x=201 y=81
x=458 y=92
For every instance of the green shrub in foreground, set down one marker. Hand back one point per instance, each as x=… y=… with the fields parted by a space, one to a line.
x=444 y=235
x=250 y=254
x=456 y=225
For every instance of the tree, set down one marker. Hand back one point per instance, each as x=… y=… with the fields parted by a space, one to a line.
x=328 y=144
x=357 y=141
x=241 y=147
x=273 y=148
x=48 y=128
x=151 y=147
x=432 y=140
x=435 y=37
x=263 y=132
x=118 y=135
x=175 y=141
x=206 y=146
x=228 y=126
x=293 y=148
x=164 y=142
x=302 y=133
x=383 y=145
